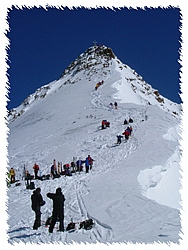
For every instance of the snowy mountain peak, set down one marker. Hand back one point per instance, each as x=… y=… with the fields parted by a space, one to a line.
x=93 y=56
x=100 y=63
x=128 y=191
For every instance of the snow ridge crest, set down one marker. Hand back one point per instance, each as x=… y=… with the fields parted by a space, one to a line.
x=96 y=63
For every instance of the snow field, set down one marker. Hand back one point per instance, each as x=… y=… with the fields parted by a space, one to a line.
x=112 y=192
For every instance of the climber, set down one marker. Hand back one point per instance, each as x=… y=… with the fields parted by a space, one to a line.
x=119 y=137
x=126 y=133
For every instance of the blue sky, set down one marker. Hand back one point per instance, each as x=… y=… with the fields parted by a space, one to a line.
x=43 y=43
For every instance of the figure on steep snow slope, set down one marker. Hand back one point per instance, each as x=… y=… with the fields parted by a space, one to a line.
x=111 y=105
x=126 y=133
x=54 y=173
x=119 y=137
x=36 y=203
x=115 y=105
x=58 y=209
x=36 y=169
x=105 y=124
x=79 y=166
x=98 y=84
x=125 y=122
x=130 y=129
x=28 y=178
x=90 y=161
x=87 y=165
x=73 y=167
x=59 y=167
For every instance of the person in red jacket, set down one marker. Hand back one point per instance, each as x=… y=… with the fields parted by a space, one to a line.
x=126 y=133
x=36 y=169
x=103 y=124
x=90 y=161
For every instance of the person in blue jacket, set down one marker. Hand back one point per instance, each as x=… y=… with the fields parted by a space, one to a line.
x=79 y=164
x=119 y=137
x=87 y=164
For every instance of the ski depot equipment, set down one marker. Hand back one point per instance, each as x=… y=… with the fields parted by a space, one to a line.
x=86 y=224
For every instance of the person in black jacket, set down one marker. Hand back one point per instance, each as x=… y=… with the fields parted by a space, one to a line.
x=36 y=203
x=58 y=209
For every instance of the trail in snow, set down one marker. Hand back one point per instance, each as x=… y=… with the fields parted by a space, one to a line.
x=75 y=187
x=80 y=137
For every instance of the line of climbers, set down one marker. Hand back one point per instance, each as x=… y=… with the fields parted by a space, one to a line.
x=115 y=105
x=98 y=84
x=67 y=169
x=58 y=197
x=127 y=122
x=126 y=133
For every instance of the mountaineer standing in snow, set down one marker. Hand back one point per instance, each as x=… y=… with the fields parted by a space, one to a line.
x=12 y=175
x=130 y=129
x=119 y=137
x=59 y=167
x=73 y=165
x=125 y=122
x=87 y=164
x=111 y=105
x=36 y=203
x=115 y=105
x=58 y=209
x=54 y=169
x=36 y=169
x=79 y=165
x=103 y=124
x=126 y=133
x=90 y=161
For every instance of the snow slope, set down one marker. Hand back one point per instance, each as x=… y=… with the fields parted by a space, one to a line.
x=132 y=192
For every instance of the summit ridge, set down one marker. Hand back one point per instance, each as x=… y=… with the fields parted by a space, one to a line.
x=98 y=63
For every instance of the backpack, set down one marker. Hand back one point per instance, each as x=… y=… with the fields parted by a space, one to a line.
x=87 y=224
x=31 y=186
x=48 y=221
x=70 y=226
